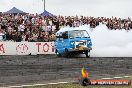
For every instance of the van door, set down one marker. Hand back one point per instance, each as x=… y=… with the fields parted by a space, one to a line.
x=62 y=42
x=65 y=42
x=59 y=43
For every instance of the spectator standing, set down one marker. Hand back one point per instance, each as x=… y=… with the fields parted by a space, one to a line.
x=2 y=35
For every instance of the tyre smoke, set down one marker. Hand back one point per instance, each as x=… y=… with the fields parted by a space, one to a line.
x=111 y=43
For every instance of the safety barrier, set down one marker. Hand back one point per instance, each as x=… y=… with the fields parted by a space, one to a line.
x=26 y=48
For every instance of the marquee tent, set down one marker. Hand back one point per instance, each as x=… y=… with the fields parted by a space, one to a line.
x=46 y=13
x=14 y=10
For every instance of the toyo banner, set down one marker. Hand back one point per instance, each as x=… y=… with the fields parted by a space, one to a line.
x=26 y=48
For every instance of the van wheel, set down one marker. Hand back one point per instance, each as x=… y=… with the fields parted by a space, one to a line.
x=57 y=53
x=67 y=53
x=87 y=54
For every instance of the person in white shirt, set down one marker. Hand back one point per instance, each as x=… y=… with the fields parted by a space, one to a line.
x=2 y=35
x=21 y=28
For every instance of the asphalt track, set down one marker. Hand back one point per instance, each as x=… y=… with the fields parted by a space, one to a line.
x=15 y=70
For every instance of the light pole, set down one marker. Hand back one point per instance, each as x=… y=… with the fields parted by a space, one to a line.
x=44 y=4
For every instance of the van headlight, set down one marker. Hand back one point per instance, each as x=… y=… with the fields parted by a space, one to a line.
x=88 y=42
x=72 y=42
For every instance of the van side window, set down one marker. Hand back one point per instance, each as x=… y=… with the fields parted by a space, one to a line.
x=65 y=35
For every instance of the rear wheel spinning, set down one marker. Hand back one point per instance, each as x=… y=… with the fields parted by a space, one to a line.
x=87 y=53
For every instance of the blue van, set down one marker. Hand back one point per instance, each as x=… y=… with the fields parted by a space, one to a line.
x=74 y=42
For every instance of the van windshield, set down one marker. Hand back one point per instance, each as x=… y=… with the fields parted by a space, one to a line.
x=78 y=34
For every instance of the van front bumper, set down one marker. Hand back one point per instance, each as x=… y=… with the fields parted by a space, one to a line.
x=80 y=49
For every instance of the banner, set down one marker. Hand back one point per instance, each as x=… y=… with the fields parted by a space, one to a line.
x=26 y=48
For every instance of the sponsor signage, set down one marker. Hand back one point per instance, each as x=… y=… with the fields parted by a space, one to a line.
x=26 y=48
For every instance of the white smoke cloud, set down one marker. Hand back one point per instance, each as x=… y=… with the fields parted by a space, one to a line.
x=111 y=43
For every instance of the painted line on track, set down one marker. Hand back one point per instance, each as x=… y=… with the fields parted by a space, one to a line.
x=118 y=77
x=107 y=78
x=127 y=76
x=38 y=84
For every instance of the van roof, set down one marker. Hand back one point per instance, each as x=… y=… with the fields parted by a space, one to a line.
x=70 y=29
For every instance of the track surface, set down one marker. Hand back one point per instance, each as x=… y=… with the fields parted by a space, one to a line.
x=45 y=68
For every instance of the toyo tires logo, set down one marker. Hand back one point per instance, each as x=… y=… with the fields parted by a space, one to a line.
x=22 y=48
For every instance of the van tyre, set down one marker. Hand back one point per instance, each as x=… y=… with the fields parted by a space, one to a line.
x=87 y=54
x=57 y=53
x=67 y=53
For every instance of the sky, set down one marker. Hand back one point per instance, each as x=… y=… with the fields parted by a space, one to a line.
x=105 y=8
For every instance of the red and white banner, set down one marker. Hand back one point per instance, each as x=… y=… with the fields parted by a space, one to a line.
x=26 y=48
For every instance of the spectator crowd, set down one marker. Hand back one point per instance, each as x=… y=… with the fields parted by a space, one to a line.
x=36 y=28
